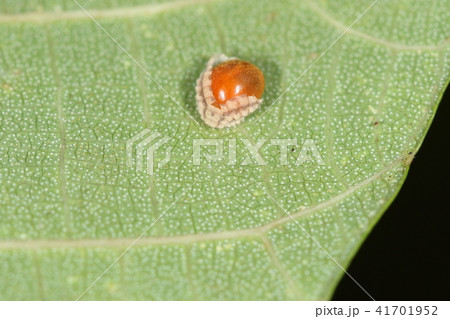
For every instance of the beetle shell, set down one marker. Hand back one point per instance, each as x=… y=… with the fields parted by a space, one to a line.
x=230 y=113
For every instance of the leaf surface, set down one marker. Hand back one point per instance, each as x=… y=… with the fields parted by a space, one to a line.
x=70 y=98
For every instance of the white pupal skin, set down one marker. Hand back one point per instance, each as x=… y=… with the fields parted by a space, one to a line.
x=233 y=111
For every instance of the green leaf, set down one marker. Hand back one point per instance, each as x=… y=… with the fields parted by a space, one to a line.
x=70 y=98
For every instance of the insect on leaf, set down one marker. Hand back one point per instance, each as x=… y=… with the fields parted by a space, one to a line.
x=344 y=111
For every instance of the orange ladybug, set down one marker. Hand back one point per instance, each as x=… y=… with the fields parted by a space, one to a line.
x=228 y=90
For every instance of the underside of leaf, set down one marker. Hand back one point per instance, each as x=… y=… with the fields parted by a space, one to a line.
x=75 y=86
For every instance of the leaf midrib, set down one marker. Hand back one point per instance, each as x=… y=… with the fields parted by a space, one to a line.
x=152 y=9
x=194 y=238
x=370 y=38
x=123 y=12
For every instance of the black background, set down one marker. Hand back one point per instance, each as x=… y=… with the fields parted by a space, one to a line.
x=407 y=254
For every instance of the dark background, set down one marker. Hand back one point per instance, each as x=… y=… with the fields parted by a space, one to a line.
x=407 y=254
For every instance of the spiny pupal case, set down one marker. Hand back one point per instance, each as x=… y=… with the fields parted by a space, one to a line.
x=228 y=90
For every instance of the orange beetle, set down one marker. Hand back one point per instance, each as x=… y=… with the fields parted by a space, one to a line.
x=228 y=90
